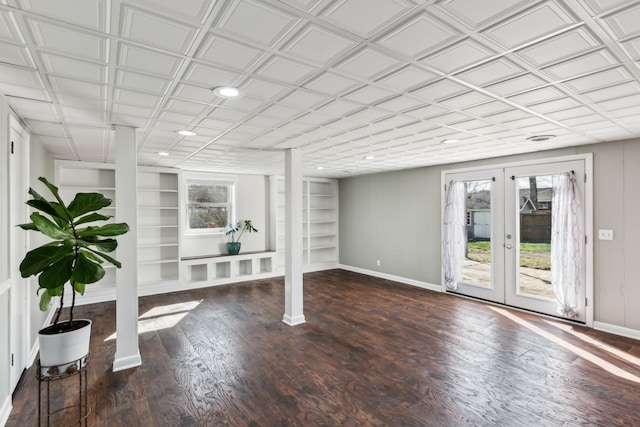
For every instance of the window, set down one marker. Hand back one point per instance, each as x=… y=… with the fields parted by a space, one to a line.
x=209 y=205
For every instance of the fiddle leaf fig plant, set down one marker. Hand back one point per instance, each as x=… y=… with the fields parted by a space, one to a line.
x=76 y=251
x=242 y=226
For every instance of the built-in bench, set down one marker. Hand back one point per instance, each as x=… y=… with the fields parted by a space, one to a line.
x=223 y=269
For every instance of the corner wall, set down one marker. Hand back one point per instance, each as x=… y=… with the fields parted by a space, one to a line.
x=394 y=217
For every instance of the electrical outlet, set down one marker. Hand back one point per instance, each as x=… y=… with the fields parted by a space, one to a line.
x=378 y=262
x=605 y=234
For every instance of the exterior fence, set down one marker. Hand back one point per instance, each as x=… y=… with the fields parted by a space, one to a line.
x=535 y=227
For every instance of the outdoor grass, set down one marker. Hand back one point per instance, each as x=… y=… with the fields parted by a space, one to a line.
x=532 y=255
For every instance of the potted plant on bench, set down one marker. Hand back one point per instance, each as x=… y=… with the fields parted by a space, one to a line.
x=233 y=246
x=74 y=255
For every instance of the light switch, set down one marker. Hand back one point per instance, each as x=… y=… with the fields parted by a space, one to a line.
x=605 y=234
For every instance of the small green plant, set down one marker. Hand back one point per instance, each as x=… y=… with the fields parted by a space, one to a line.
x=75 y=253
x=242 y=226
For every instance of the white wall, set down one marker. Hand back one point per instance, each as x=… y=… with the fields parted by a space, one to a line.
x=395 y=218
x=251 y=203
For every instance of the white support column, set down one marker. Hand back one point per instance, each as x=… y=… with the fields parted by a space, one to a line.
x=127 y=352
x=293 y=301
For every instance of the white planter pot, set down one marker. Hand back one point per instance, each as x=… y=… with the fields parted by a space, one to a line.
x=61 y=350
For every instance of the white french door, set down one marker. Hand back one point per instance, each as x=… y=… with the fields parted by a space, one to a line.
x=508 y=234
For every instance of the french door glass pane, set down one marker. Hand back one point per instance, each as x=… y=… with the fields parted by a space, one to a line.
x=477 y=264
x=535 y=196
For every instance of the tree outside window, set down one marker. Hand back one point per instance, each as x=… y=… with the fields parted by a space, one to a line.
x=209 y=205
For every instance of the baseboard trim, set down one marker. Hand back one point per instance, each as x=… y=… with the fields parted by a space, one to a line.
x=412 y=282
x=122 y=363
x=5 y=410
x=618 y=330
x=293 y=321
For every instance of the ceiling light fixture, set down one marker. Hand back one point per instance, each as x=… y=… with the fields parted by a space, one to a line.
x=227 y=91
x=539 y=138
x=187 y=133
x=369 y=157
x=319 y=168
x=449 y=141
x=163 y=153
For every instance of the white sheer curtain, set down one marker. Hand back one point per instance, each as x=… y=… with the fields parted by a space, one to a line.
x=453 y=243
x=567 y=244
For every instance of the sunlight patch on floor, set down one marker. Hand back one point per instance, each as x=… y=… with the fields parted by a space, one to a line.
x=607 y=366
x=162 y=317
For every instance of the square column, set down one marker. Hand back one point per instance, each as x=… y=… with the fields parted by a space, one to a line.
x=127 y=351
x=293 y=298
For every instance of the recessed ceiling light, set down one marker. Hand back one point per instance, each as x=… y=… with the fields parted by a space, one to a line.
x=163 y=153
x=227 y=91
x=449 y=141
x=319 y=168
x=369 y=157
x=187 y=133
x=539 y=138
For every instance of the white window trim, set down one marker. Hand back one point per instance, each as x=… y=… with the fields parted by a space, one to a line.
x=206 y=178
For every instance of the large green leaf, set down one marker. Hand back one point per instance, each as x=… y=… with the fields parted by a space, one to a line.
x=56 y=194
x=29 y=226
x=91 y=218
x=45 y=300
x=40 y=258
x=92 y=257
x=57 y=274
x=87 y=202
x=105 y=230
x=86 y=271
x=43 y=206
x=106 y=245
x=79 y=287
x=107 y=257
x=47 y=227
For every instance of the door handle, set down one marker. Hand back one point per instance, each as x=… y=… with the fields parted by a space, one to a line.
x=509 y=246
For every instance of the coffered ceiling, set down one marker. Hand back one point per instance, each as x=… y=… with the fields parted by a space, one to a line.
x=342 y=80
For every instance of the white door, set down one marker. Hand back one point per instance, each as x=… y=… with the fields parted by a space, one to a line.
x=18 y=187
x=512 y=266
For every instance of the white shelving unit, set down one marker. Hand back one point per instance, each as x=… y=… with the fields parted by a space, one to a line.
x=223 y=269
x=320 y=222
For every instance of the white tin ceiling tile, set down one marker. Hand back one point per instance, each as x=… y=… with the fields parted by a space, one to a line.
x=84 y=13
x=314 y=119
x=368 y=95
x=155 y=30
x=599 y=6
x=281 y=112
x=20 y=76
x=194 y=93
x=285 y=70
x=193 y=10
x=598 y=80
x=144 y=82
x=69 y=40
x=338 y=108
x=407 y=78
x=585 y=64
x=613 y=92
x=449 y=118
x=318 y=45
x=219 y=51
x=632 y=47
x=147 y=61
x=263 y=89
x=351 y=15
x=209 y=76
x=67 y=100
x=558 y=104
x=563 y=46
x=400 y=103
x=60 y=148
x=506 y=116
x=420 y=35
x=476 y=13
x=37 y=110
x=84 y=116
x=8 y=29
x=530 y=25
x=439 y=90
x=136 y=122
x=132 y=110
x=186 y=106
x=256 y=22
x=466 y=100
x=173 y=117
x=47 y=128
x=427 y=111
x=620 y=103
x=69 y=67
x=458 y=56
x=305 y=5
x=368 y=64
x=244 y=103
x=527 y=121
x=228 y=114
x=488 y=108
x=135 y=98
x=15 y=55
x=625 y=23
x=332 y=84
x=538 y=95
x=516 y=85
x=569 y=113
x=304 y=99
x=490 y=72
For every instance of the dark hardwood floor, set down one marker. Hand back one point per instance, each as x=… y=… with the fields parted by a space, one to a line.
x=372 y=353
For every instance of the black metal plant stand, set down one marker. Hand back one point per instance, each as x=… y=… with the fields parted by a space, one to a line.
x=47 y=374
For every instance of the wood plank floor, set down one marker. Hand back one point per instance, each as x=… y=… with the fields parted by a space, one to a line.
x=372 y=353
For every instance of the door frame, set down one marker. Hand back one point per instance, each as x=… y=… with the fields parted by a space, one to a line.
x=588 y=214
